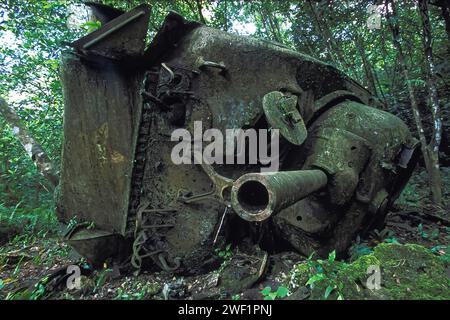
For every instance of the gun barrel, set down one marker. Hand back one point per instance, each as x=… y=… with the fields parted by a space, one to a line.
x=257 y=196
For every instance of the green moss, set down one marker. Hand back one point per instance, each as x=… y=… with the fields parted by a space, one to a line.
x=412 y=272
x=407 y=272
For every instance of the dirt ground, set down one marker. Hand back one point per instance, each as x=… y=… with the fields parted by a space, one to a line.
x=35 y=266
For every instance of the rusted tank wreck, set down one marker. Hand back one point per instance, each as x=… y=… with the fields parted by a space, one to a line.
x=343 y=161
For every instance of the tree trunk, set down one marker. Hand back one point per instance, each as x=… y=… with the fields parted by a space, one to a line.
x=33 y=148
x=429 y=157
x=393 y=24
x=273 y=27
x=367 y=69
x=390 y=72
x=268 y=23
x=300 y=44
x=445 y=12
x=433 y=148
x=322 y=33
x=274 y=19
x=225 y=16
x=200 y=13
x=326 y=31
x=380 y=88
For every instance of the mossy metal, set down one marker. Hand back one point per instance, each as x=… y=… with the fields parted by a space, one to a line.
x=283 y=190
x=343 y=161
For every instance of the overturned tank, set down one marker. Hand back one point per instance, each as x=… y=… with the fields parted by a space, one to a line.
x=341 y=160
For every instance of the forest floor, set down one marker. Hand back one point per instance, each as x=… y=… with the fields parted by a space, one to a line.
x=33 y=263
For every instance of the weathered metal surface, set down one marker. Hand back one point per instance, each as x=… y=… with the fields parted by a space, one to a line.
x=268 y=67
x=95 y=245
x=282 y=114
x=119 y=38
x=342 y=162
x=358 y=147
x=101 y=107
x=166 y=185
x=257 y=196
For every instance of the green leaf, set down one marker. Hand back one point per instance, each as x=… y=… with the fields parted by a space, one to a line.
x=311 y=255
x=437 y=248
x=102 y=278
x=91 y=25
x=434 y=234
x=282 y=292
x=420 y=228
x=38 y=292
x=315 y=278
x=328 y=291
x=332 y=256
x=266 y=291
x=392 y=240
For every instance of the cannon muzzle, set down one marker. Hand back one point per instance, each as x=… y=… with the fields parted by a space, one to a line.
x=257 y=196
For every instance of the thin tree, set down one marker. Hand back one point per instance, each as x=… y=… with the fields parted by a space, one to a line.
x=31 y=146
x=430 y=162
x=366 y=64
x=197 y=9
x=435 y=141
x=326 y=33
x=445 y=12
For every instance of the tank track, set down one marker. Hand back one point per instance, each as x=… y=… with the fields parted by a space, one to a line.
x=143 y=134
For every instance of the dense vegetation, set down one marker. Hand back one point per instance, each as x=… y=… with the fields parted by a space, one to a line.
x=404 y=61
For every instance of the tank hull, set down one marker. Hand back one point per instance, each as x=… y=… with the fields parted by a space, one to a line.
x=118 y=169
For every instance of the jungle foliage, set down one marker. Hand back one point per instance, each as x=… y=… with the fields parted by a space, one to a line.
x=33 y=34
x=404 y=61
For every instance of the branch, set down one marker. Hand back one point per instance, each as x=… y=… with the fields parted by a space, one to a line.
x=31 y=146
x=200 y=13
x=431 y=76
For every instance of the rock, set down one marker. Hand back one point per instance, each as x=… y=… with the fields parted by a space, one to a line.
x=174 y=290
x=252 y=294
x=243 y=271
x=205 y=286
x=208 y=294
x=300 y=294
